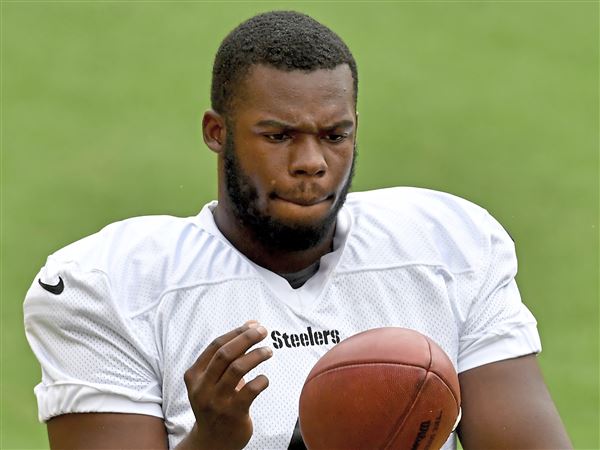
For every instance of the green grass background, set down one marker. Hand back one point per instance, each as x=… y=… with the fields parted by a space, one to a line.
x=493 y=101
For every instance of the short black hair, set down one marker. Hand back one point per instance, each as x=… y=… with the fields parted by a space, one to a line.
x=285 y=40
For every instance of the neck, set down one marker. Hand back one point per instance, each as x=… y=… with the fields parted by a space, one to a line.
x=275 y=260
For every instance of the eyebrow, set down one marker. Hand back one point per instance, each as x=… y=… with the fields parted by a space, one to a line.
x=287 y=126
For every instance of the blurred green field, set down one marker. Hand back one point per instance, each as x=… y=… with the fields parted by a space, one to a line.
x=493 y=101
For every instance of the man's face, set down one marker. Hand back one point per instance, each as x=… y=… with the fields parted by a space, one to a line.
x=289 y=159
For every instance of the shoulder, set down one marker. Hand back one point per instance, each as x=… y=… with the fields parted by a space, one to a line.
x=416 y=203
x=138 y=258
x=423 y=226
x=130 y=238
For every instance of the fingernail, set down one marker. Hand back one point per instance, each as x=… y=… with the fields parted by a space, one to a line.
x=268 y=351
x=261 y=329
x=252 y=323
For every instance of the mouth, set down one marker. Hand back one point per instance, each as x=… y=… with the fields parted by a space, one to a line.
x=303 y=200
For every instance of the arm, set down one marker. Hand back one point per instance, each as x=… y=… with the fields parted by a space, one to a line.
x=506 y=405
x=107 y=431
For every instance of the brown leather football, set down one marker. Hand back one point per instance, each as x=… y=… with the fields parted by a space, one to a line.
x=385 y=388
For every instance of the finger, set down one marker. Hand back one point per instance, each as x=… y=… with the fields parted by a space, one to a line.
x=250 y=391
x=240 y=385
x=231 y=351
x=240 y=367
x=208 y=353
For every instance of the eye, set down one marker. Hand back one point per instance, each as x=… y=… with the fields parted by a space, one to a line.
x=335 y=137
x=277 y=137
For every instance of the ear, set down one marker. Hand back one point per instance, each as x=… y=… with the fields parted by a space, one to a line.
x=213 y=130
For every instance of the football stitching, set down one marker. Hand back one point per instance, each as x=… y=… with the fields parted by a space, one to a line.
x=445 y=380
x=399 y=427
x=357 y=364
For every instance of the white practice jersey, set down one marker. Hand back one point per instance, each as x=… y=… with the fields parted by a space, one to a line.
x=143 y=297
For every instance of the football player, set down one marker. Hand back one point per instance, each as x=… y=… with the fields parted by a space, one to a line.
x=198 y=333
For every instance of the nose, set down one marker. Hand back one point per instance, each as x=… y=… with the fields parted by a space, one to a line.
x=307 y=158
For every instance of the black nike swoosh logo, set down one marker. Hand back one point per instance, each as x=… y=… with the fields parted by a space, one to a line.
x=53 y=288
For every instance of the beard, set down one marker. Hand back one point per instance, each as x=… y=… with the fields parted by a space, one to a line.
x=270 y=232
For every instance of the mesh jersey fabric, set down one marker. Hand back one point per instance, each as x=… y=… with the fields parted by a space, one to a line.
x=143 y=297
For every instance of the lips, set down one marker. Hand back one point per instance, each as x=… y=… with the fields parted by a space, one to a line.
x=303 y=200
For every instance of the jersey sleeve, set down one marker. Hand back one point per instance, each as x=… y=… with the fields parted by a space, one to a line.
x=94 y=356
x=498 y=325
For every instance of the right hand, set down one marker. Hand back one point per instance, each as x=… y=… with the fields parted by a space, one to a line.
x=218 y=394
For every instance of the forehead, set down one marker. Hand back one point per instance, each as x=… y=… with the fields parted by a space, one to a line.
x=295 y=95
